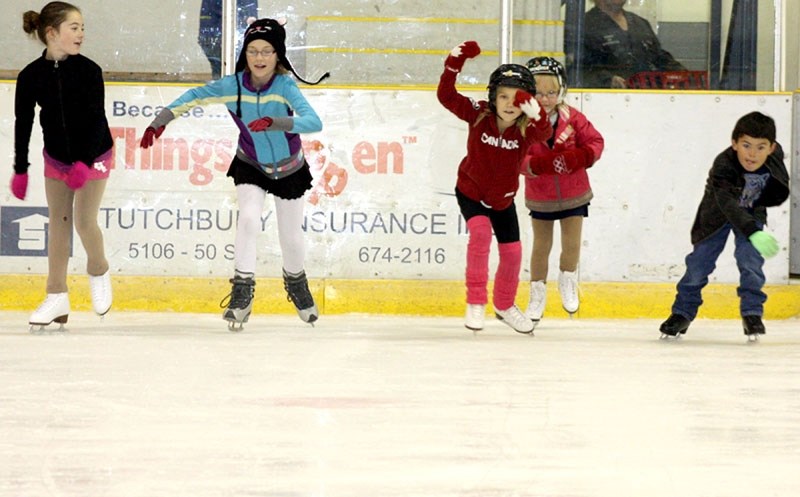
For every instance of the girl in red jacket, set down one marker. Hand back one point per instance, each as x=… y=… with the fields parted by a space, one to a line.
x=501 y=130
x=557 y=186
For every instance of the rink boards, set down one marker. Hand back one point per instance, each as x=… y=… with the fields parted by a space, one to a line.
x=382 y=226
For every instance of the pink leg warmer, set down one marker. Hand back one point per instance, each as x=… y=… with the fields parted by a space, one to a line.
x=506 y=280
x=480 y=240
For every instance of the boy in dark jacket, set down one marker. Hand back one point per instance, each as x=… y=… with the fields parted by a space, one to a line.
x=744 y=180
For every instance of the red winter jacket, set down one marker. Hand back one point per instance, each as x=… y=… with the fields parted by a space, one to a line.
x=490 y=171
x=559 y=192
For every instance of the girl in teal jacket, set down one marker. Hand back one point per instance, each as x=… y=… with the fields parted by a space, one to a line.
x=270 y=112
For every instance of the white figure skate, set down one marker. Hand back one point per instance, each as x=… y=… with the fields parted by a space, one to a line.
x=514 y=318
x=537 y=302
x=100 y=288
x=55 y=308
x=568 y=288
x=476 y=314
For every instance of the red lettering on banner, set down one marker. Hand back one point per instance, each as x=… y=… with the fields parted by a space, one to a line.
x=202 y=152
x=368 y=160
x=330 y=179
x=202 y=158
x=128 y=137
x=222 y=149
x=172 y=149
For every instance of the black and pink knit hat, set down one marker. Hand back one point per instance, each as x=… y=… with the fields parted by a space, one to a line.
x=272 y=32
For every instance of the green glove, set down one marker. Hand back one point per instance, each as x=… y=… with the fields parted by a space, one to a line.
x=765 y=243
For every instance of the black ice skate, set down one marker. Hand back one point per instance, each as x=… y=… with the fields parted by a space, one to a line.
x=297 y=291
x=675 y=326
x=239 y=302
x=753 y=326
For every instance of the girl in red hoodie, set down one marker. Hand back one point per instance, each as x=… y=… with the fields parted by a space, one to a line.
x=501 y=130
x=557 y=186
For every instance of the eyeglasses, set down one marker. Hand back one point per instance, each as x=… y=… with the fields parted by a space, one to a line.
x=549 y=94
x=264 y=53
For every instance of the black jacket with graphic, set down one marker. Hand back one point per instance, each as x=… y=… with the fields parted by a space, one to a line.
x=611 y=51
x=720 y=203
x=71 y=97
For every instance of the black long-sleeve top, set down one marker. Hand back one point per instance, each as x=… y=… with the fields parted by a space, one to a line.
x=71 y=97
x=609 y=50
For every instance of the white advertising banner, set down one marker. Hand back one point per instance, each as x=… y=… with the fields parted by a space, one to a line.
x=382 y=205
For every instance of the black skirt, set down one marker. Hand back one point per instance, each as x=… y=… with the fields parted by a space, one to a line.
x=288 y=188
x=581 y=211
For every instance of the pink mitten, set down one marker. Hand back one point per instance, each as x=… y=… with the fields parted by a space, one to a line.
x=77 y=176
x=19 y=185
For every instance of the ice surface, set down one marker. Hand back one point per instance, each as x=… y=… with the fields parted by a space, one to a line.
x=145 y=404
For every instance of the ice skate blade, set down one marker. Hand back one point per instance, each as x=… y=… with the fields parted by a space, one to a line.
x=671 y=338
x=526 y=333
x=61 y=320
x=753 y=338
x=41 y=329
x=236 y=319
x=235 y=326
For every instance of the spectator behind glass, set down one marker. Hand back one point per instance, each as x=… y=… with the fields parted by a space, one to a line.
x=619 y=44
x=210 y=37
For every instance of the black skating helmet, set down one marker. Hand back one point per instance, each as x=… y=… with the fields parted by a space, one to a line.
x=549 y=65
x=512 y=75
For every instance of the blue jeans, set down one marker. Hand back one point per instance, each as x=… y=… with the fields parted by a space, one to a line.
x=702 y=261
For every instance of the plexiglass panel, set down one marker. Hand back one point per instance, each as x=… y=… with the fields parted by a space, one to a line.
x=652 y=44
x=403 y=43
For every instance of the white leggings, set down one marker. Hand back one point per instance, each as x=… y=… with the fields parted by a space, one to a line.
x=289 y=214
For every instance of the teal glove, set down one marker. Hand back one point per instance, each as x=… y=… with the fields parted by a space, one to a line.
x=765 y=243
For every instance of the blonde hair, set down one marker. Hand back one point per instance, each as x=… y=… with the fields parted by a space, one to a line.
x=52 y=15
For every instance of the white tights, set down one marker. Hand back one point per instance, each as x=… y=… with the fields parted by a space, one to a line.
x=289 y=215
